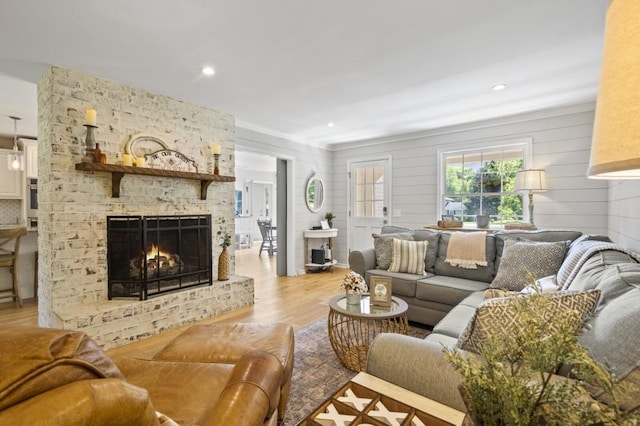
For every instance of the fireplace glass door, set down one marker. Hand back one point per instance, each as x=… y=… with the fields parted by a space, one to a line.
x=151 y=255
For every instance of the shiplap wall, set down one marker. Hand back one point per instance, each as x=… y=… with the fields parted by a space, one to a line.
x=561 y=144
x=624 y=213
x=305 y=160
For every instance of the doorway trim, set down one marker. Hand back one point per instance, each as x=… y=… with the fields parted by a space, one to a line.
x=283 y=215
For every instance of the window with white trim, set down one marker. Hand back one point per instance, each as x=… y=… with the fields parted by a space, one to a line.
x=481 y=181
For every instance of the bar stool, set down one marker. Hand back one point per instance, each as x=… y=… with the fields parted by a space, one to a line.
x=9 y=259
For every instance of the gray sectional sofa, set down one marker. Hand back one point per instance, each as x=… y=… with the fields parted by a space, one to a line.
x=443 y=287
x=450 y=303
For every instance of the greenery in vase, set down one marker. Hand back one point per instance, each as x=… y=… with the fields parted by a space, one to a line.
x=512 y=382
x=354 y=283
x=223 y=235
x=329 y=218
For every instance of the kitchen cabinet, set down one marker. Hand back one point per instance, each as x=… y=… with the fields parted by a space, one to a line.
x=31 y=158
x=11 y=182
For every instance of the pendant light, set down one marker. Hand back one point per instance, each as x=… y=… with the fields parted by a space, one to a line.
x=15 y=160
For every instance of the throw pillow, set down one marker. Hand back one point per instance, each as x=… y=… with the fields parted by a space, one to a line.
x=383 y=245
x=408 y=256
x=522 y=259
x=498 y=317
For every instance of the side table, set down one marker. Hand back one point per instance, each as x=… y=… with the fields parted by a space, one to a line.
x=352 y=328
x=323 y=234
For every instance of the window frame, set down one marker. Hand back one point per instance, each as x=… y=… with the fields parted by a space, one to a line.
x=474 y=147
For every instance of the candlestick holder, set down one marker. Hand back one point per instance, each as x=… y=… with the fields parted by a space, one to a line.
x=90 y=144
x=216 y=160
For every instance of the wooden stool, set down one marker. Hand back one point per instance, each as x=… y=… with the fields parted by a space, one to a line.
x=9 y=259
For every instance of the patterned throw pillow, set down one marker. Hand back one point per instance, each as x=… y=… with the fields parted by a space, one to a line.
x=498 y=317
x=408 y=256
x=383 y=245
x=523 y=258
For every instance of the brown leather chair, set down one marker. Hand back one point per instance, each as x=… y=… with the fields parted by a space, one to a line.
x=9 y=255
x=62 y=377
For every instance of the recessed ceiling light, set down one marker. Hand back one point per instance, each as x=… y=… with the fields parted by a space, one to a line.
x=499 y=87
x=330 y=124
x=208 y=71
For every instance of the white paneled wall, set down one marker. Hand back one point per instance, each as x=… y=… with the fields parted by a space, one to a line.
x=305 y=160
x=561 y=143
x=624 y=213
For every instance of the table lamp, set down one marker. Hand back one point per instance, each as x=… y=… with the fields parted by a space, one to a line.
x=532 y=180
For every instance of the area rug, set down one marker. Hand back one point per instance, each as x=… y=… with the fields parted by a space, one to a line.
x=317 y=372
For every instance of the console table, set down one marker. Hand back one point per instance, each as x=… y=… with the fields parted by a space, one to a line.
x=464 y=229
x=327 y=234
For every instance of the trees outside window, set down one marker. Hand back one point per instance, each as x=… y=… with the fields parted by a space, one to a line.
x=480 y=182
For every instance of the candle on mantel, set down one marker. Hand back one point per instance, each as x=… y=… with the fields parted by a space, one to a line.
x=127 y=160
x=216 y=149
x=140 y=162
x=90 y=117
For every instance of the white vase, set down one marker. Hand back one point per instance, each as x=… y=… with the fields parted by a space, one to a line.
x=353 y=299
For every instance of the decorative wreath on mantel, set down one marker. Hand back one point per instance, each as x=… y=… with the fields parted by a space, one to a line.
x=165 y=158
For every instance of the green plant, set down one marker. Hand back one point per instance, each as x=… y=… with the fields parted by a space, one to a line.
x=512 y=383
x=329 y=216
x=223 y=234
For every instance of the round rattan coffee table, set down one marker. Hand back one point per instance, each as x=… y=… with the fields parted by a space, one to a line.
x=353 y=327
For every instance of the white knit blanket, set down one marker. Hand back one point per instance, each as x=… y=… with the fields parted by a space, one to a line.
x=467 y=250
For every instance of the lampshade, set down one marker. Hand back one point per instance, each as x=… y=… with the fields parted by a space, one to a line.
x=615 y=149
x=531 y=180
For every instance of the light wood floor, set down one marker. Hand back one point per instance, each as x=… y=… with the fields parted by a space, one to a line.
x=296 y=300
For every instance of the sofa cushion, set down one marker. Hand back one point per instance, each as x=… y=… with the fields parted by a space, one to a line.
x=402 y=284
x=448 y=290
x=433 y=238
x=383 y=244
x=474 y=299
x=498 y=316
x=441 y=340
x=408 y=256
x=200 y=385
x=482 y=273
x=523 y=260
x=55 y=358
x=455 y=322
x=612 y=335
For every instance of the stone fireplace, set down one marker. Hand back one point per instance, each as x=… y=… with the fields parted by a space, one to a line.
x=73 y=279
x=152 y=255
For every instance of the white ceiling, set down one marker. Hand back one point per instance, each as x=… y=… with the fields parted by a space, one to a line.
x=288 y=67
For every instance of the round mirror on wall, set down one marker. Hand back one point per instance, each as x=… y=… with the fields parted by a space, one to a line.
x=314 y=194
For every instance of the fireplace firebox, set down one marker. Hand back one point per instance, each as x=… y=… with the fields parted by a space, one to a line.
x=151 y=255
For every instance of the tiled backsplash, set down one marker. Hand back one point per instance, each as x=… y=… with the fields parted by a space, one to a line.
x=9 y=212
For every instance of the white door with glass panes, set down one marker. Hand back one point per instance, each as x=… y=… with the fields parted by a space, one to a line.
x=369 y=196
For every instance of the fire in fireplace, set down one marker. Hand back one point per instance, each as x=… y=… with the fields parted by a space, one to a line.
x=151 y=255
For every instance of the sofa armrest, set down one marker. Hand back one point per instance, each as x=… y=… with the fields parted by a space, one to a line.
x=254 y=382
x=416 y=365
x=112 y=402
x=362 y=260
